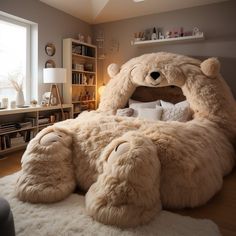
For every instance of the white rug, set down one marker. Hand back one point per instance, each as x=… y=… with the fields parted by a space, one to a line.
x=68 y=218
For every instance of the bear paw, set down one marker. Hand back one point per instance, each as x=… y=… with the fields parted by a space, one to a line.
x=47 y=170
x=51 y=138
x=126 y=193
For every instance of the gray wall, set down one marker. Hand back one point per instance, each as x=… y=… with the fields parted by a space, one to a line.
x=53 y=26
x=217 y=21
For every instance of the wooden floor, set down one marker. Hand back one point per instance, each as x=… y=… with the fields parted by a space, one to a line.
x=221 y=209
x=10 y=163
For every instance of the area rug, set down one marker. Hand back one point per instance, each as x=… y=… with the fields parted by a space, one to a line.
x=68 y=218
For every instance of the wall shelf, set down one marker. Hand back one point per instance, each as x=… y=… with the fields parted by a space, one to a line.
x=184 y=39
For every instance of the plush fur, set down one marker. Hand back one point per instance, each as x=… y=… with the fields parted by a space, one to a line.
x=129 y=167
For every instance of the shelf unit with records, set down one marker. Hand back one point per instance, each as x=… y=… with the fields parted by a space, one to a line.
x=18 y=126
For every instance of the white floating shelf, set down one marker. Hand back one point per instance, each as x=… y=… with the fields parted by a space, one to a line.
x=169 y=40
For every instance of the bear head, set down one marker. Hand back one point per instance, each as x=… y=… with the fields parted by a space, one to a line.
x=153 y=70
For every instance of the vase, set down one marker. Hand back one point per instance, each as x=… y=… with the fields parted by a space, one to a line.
x=20 y=101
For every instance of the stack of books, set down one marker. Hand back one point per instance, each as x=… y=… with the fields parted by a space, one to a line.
x=43 y=120
x=17 y=141
x=8 y=127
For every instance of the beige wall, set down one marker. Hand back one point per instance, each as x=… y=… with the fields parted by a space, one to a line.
x=53 y=26
x=216 y=21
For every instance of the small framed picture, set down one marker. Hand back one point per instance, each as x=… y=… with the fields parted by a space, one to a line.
x=50 y=64
x=50 y=49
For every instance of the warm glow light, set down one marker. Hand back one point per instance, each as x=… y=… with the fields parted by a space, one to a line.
x=101 y=89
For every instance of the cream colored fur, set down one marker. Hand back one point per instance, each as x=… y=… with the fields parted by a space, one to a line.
x=129 y=167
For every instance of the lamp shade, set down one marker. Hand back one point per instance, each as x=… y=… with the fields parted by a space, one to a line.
x=54 y=75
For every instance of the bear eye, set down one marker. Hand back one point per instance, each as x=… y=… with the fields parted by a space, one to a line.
x=119 y=145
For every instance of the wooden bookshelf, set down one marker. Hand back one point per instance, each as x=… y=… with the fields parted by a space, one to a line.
x=80 y=60
x=18 y=126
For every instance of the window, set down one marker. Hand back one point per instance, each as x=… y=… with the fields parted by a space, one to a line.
x=14 y=57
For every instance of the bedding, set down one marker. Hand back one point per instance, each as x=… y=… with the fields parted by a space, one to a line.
x=125 y=112
x=178 y=112
x=149 y=113
x=157 y=110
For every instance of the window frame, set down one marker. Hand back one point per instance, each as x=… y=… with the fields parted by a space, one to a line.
x=26 y=25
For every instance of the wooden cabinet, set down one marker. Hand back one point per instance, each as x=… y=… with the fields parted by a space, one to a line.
x=80 y=60
x=19 y=126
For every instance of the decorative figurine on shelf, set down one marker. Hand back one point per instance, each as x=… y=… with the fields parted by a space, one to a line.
x=181 y=31
x=89 y=39
x=33 y=103
x=13 y=104
x=4 y=103
x=196 y=32
x=168 y=34
x=139 y=36
x=91 y=80
x=154 y=34
x=84 y=80
x=160 y=35
x=46 y=98
x=81 y=38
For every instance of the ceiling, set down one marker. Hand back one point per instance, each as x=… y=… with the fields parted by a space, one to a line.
x=101 y=11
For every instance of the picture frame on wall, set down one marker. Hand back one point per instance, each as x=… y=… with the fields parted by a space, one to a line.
x=50 y=64
x=50 y=49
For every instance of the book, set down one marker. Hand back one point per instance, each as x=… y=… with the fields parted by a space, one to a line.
x=43 y=121
x=32 y=120
x=26 y=124
x=8 y=127
x=2 y=142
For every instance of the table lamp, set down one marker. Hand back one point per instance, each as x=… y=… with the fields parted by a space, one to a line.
x=54 y=76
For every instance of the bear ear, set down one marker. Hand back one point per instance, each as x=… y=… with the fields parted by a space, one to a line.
x=211 y=67
x=113 y=69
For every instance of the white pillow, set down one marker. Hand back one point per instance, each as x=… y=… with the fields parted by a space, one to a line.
x=136 y=104
x=150 y=113
x=178 y=112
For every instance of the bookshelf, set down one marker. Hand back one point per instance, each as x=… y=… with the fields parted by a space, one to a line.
x=80 y=60
x=18 y=126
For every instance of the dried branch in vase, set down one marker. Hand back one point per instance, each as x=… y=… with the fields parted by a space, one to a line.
x=16 y=80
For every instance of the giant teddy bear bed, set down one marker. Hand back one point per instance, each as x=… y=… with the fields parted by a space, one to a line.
x=132 y=167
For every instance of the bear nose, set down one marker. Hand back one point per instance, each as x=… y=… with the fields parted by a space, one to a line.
x=155 y=74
